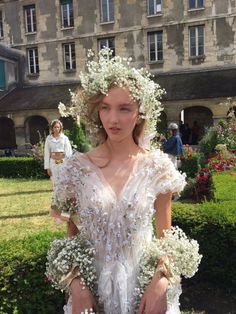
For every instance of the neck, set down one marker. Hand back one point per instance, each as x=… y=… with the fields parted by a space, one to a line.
x=122 y=150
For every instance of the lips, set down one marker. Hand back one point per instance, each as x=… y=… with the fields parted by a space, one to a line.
x=114 y=129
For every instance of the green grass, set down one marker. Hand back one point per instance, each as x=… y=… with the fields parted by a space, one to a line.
x=225 y=185
x=24 y=208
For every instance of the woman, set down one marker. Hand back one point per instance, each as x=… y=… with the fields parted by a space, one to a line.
x=57 y=147
x=117 y=188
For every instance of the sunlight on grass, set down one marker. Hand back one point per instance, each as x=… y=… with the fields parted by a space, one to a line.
x=17 y=228
x=24 y=208
x=225 y=185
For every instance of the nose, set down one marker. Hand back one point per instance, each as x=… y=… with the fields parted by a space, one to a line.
x=113 y=116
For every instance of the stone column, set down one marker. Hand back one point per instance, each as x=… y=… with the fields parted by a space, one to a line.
x=20 y=135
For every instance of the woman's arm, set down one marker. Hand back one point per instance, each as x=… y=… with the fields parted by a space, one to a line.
x=46 y=154
x=163 y=213
x=67 y=148
x=154 y=299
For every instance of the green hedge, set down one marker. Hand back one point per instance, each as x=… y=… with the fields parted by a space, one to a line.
x=213 y=225
x=24 y=288
x=191 y=165
x=21 y=167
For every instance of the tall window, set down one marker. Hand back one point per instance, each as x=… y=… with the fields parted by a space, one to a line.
x=33 y=60
x=67 y=14
x=1 y=25
x=196 y=40
x=69 y=56
x=154 y=7
x=107 y=10
x=107 y=42
x=195 y=4
x=155 y=44
x=30 y=18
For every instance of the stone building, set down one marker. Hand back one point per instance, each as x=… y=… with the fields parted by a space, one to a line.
x=189 y=46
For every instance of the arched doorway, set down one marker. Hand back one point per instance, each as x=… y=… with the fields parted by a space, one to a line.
x=7 y=133
x=36 y=126
x=197 y=118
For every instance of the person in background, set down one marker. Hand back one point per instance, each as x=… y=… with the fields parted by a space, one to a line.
x=57 y=147
x=173 y=146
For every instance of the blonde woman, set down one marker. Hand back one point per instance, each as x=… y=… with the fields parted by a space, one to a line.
x=117 y=188
x=57 y=148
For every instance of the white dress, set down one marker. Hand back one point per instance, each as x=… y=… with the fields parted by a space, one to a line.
x=53 y=145
x=119 y=226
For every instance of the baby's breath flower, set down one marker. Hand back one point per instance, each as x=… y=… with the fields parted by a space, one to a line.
x=184 y=259
x=67 y=254
x=108 y=71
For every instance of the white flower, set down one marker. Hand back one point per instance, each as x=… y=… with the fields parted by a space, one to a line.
x=183 y=259
x=104 y=73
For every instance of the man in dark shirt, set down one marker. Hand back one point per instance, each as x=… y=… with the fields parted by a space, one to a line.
x=173 y=146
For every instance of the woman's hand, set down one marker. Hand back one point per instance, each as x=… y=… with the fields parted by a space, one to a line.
x=82 y=298
x=154 y=300
x=49 y=172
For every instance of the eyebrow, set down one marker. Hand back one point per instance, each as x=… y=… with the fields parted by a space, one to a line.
x=123 y=104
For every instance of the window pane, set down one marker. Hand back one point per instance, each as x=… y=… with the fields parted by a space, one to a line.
x=152 y=56
x=158 y=6
x=1 y=25
x=200 y=50
x=192 y=4
x=193 y=51
x=104 y=11
x=200 y=3
x=200 y=31
x=111 y=10
x=160 y=55
x=151 y=7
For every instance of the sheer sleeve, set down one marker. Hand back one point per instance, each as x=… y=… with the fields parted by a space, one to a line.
x=166 y=177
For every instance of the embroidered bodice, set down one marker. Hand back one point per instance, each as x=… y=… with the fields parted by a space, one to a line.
x=118 y=226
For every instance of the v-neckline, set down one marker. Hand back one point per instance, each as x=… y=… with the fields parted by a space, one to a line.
x=103 y=180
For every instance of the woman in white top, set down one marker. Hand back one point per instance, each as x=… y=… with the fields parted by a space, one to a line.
x=57 y=147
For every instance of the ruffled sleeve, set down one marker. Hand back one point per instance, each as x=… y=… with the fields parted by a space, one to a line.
x=166 y=177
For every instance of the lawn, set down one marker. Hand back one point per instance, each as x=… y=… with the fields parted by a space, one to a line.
x=24 y=208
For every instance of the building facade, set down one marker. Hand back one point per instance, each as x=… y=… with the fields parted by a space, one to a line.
x=189 y=46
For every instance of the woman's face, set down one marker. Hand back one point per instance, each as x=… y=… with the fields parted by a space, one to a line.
x=119 y=114
x=56 y=129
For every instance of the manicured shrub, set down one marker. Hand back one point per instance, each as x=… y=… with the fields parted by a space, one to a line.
x=21 y=167
x=191 y=165
x=213 y=226
x=78 y=138
x=24 y=288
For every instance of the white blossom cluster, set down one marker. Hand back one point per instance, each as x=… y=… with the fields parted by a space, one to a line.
x=183 y=259
x=68 y=207
x=66 y=254
x=108 y=71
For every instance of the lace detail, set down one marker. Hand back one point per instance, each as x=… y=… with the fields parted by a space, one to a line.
x=118 y=227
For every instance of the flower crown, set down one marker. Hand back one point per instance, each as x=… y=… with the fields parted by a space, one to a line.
x=108 y=71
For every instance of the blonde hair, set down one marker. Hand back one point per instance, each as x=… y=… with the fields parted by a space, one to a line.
x=53 y=123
